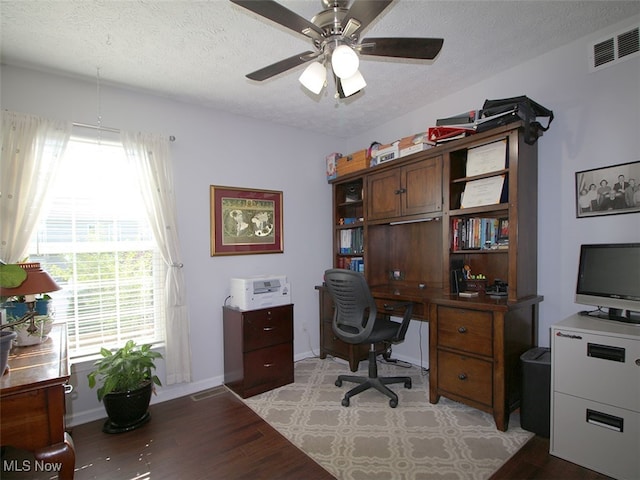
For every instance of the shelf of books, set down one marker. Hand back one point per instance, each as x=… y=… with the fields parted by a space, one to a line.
x=479 y=234
x=349 y=225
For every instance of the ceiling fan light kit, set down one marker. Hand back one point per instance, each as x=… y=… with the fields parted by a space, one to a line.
x=314 y=77
x=344 y=61
x=353 y=84
x=335 y=34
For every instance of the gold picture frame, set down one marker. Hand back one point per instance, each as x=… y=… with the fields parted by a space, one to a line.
x=245 y=221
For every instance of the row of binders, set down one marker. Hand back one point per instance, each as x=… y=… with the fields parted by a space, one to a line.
x=476 y=233
x=351 y=263
x=351 y=241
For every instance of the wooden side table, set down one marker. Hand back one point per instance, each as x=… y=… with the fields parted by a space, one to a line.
x=32 y=402
x=258 y=349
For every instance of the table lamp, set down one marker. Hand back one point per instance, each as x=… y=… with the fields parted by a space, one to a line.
x=37 y=282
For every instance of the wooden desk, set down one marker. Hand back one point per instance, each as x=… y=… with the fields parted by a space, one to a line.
x=474 y=343
x=32 y=403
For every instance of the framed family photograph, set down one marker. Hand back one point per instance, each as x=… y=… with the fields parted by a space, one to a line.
x=608 y=190
x=245 y=221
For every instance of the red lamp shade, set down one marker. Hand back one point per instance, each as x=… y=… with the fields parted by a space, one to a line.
x=38 y=281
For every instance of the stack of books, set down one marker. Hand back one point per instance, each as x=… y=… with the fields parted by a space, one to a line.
x=462 y=125
x=476 y=233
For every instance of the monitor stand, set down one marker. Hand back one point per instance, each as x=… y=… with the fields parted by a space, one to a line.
x=619 y=315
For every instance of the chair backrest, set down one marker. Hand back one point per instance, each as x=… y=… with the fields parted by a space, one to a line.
x=356 y=311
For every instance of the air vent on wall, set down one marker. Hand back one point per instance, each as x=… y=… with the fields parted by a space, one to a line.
x=615 y=49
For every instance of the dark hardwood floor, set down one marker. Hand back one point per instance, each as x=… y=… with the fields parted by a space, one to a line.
x=534 y=462
x=218 y=437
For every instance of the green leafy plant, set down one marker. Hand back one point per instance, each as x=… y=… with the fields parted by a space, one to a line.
x=12 y=275
x=125 y=369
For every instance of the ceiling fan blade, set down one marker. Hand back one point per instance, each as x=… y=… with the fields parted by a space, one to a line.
x=281 y=15
x=365 y=12
x=402 y=47
x=281 y=66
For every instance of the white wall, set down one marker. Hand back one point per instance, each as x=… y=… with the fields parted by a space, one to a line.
x=597 y=124
x=211 y=148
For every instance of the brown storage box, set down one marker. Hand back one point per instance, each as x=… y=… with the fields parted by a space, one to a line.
x=352 y=163
x=411 y=140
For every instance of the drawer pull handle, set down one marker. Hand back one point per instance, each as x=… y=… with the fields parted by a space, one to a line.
x=267 y=329
x=462 y=329
x=400 y=191
x=268 y=365
x=462 y=376
x=68 y=389
x=605 y=420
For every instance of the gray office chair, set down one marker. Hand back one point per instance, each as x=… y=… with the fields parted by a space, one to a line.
x=356 y=321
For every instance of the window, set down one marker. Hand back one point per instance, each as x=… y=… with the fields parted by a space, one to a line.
x=96 y=242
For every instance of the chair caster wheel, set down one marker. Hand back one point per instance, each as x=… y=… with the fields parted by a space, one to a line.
x=345 y=402
x=338 y=383
x=393 y=403
x=407 y=384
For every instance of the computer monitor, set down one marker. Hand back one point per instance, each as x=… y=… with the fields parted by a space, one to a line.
x=609 y=277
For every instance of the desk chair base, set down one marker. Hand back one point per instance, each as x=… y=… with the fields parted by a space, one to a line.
x=372 y=381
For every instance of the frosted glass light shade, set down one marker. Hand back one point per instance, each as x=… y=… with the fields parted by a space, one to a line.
x=352 y=84
x=344 y=61
x=313 y=77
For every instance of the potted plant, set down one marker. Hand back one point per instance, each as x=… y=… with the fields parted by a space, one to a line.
x=126 y=382
x=11 y=276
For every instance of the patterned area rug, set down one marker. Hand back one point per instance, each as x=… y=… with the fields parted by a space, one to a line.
x=370 y=440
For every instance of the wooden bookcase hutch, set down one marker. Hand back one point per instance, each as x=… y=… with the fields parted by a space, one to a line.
x=401 y=219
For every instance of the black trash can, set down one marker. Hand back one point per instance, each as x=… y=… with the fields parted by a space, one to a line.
x=536 y=391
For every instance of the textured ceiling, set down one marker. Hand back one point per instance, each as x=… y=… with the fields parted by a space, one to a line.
x=199 y=51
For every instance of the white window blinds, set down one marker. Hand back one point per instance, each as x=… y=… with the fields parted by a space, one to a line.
x=96 y=242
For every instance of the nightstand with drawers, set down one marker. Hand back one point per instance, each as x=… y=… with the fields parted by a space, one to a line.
x=258 y=349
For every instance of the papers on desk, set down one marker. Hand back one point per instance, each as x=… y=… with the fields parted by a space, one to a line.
x=484 y=191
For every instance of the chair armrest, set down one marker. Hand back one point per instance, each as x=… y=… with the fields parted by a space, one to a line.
x=407 y=307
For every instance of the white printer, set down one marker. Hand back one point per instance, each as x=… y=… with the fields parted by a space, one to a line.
x=251 y=293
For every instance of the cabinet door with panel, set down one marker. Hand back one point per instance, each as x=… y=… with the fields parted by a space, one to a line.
x=412 y=189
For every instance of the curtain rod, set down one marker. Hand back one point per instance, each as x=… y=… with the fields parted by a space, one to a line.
x=108 y=129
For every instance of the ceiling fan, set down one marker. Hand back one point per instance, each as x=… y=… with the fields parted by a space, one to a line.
x=335 y=33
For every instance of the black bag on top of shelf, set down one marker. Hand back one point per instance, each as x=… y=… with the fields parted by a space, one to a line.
x=508 y=110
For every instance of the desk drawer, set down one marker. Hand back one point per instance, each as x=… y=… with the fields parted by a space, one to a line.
x=271 y=367
x=597 y=436
x=266 y=327
x=467 y=330
x=466 y=377
x=599 y=367
x=383 y=305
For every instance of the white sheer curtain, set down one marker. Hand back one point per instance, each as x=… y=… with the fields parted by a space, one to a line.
x=150 y=155
x=32 y=148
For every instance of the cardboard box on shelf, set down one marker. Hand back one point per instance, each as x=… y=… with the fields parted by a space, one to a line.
x=411 y=140
x=352 y=163
x=414 y=148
